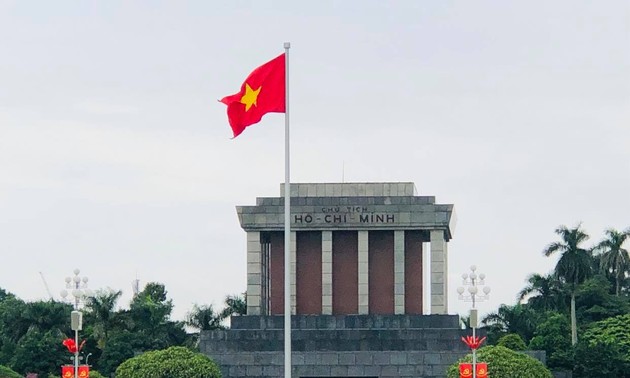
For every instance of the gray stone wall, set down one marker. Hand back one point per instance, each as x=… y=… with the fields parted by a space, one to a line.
x=386 y=364
x=338 y=346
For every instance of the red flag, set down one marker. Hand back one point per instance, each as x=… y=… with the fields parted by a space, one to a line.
x=84 y=371
x=70 y=344
x=262 y=92
x=482 y=370
x=67 y=371
x=465 y=370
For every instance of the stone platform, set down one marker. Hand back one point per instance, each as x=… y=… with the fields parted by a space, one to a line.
x=338 y=346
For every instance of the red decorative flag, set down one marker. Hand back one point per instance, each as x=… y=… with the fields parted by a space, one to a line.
x=70 y=344
x=67 y=371
x=465 y=370
x=482 y=370
x=84 y=371
x=262 y=92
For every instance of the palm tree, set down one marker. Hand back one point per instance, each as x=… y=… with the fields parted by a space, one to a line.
x=102 y=308
x=519 y=319
x=614 y=259
x=204 y=318
x=234 y=305
x=574 y=265
x=543 y=293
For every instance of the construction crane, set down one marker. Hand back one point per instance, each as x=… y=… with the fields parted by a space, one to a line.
x=46 y=285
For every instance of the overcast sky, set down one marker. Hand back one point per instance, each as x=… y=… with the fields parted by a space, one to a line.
x=116 y=158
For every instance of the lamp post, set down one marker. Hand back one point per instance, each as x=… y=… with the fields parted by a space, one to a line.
x=77 y=287
x=473 y=281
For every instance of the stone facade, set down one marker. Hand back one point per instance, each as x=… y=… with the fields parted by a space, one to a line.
x=338 y=346
x=384 y=217
x=357 y=252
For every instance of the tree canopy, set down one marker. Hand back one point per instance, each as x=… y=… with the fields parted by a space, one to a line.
x=588 y=293
x=31 y=332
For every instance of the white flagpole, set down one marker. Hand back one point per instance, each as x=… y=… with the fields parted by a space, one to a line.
x=287 y=226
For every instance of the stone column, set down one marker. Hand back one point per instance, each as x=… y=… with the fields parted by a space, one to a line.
x=399 y=272
x=327 y=272
x=439 y=279
x=293 y=257
x=363 y=260
x=254 y=269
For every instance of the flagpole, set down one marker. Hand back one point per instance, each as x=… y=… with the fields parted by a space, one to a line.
x=287 y=227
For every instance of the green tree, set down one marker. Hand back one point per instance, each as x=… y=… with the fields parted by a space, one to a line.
x=553 y=336
x=48 y=315
x=119 y=348
x=12 y=327
x=615 y=329
x=101 y=315
x=599 y=359
x=504 y=363
x=149 y=312
x=6 y=372
x=512 y=341
x=22 y=325
x=40 y=352
x=574 y=265
x=614 y=258
x=174 y=362
x=544 y=293
x=594 y=301
x=12 y=324
x=234 y=305
x=204 y=318
x=519 y=319
x=5 y=295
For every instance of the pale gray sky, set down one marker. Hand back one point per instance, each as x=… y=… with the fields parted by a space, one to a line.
x=115 y=156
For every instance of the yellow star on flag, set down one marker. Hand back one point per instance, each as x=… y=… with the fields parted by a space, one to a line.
x=250 y=96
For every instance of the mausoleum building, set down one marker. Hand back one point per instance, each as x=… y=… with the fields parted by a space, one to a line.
x=361 y=303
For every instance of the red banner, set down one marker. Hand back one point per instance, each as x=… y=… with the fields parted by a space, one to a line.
x=84 y=371
x=67 y=371
x=465 y=370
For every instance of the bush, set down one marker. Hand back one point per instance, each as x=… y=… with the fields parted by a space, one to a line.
x=5 y=372
x=174 y=362
x=504 y=363
x=96 y=374
x=512 y=341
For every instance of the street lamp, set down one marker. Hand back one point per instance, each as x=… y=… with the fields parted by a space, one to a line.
x=77 y=287
x=473 y=281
